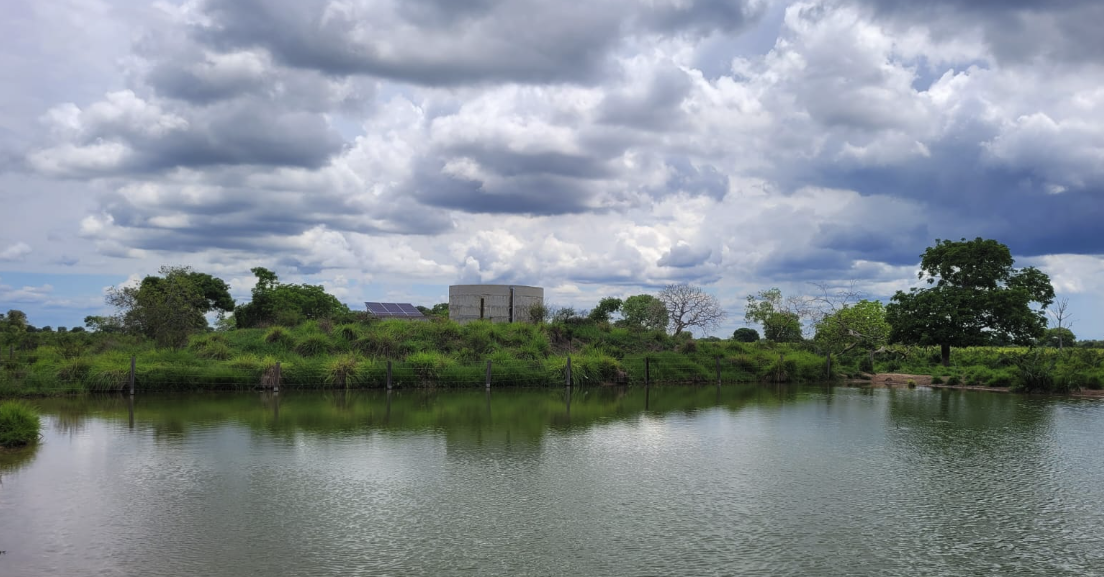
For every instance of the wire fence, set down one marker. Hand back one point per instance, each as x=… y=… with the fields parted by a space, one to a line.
x=19 y=373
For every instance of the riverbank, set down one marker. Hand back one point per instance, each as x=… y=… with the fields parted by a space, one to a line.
x=321 y=355
x=893 y=380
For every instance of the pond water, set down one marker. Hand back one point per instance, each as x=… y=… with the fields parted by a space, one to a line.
x=745 y=480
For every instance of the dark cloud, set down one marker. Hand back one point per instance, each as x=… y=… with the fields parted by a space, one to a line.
x=1018 y=31
x=433 y=42
x=657 y=108
x=534 y=194
x=684 y=256
x=704 y=180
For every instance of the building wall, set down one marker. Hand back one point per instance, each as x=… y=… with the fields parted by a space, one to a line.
x=469 y=302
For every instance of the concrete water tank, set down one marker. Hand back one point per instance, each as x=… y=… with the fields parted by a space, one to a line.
x=497 y=303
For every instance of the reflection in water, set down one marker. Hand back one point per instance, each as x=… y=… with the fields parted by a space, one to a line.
x=757 y=480
x=12 y=460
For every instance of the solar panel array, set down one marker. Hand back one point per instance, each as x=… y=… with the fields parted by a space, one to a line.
x=394 y=310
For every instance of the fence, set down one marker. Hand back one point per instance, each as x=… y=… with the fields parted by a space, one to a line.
x=20 y=374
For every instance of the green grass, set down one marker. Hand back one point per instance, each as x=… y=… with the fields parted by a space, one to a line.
x=19 y=424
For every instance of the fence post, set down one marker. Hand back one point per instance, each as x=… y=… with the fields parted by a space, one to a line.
x=488 y=374
x=718 y=371
x=276 y=385
x=781 y=366
x=389 y=374
x=567 y=379
x=647 y=371
x=131 y=378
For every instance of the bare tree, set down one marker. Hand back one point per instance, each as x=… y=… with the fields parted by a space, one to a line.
x=1060 y=312
x=689 y=306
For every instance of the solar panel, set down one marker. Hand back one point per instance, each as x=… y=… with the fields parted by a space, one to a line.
x=394 y=310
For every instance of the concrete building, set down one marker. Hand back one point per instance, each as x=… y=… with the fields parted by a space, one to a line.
x=497 y=303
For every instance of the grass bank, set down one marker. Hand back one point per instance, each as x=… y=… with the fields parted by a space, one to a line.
x=318 y=355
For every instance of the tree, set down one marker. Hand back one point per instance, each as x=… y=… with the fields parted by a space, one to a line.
x=606 y=307
x=975 y=295
x=1057 y=337
x=689 y=306
x=644 y=312
x=285 y=304
x=170 y=307
x=745 y=335
x=862 y=325
x=102 y=324
x=1062 y=322
x=779 y=317
x=13 y=325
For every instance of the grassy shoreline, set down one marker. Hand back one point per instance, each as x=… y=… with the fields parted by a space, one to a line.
x=321 y=355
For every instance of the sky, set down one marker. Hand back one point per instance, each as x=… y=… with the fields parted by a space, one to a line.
x=386 y=149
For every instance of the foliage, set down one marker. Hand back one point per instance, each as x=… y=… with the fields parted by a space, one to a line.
x=19 y=424
x=689 y=306
x=975 y=293
x=780 y=318
x=605 y=308
x=102 y=324
x=745 y=335
x=286 y=304
x=644 y=312
x=861 y=325
x=169 y=308
x=1058 y=338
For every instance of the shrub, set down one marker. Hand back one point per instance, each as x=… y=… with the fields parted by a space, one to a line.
x=954 y=381
x=19 y=424
x=911 y=384
x=937 y=380
x=278 y=335
x=313 y=346
x=74 y=370
x=340 y=372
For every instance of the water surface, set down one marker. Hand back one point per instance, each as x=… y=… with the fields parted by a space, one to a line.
x=747 y=480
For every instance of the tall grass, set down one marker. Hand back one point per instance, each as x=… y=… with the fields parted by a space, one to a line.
x=19 y=424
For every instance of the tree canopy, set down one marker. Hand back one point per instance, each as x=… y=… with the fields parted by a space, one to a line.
x=745 y=335
x=780 y=318
x=285 y=304
x=169 y=307
x=861 y=325
x=605 y=308
x=975 y=296
x=644 y=312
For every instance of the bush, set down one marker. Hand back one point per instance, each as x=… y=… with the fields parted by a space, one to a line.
x=313 y=346
x=278 y=335
x=19 y=424
x=954 y=381
x=937 y=380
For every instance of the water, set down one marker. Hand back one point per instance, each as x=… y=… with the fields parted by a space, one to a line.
x=749 y=481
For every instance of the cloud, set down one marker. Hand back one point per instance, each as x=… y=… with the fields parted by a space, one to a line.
x=15 y=252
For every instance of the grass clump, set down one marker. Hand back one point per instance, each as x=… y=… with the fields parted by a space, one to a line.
x=279 y=336
x=313 y=346
x=19 y=424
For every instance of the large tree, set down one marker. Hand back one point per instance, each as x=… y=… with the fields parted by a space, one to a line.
x=974 y=295
x=689 y=306
x=168 y=308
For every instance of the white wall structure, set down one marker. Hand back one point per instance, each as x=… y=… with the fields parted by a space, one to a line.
x=497 y=303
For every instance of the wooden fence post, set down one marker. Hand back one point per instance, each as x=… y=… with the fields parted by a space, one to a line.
x=718 y=371
x=567 y=376
x=131 y=378
x=389 y=374
x=276 y=385
x=488 y=375
x=647 y=371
